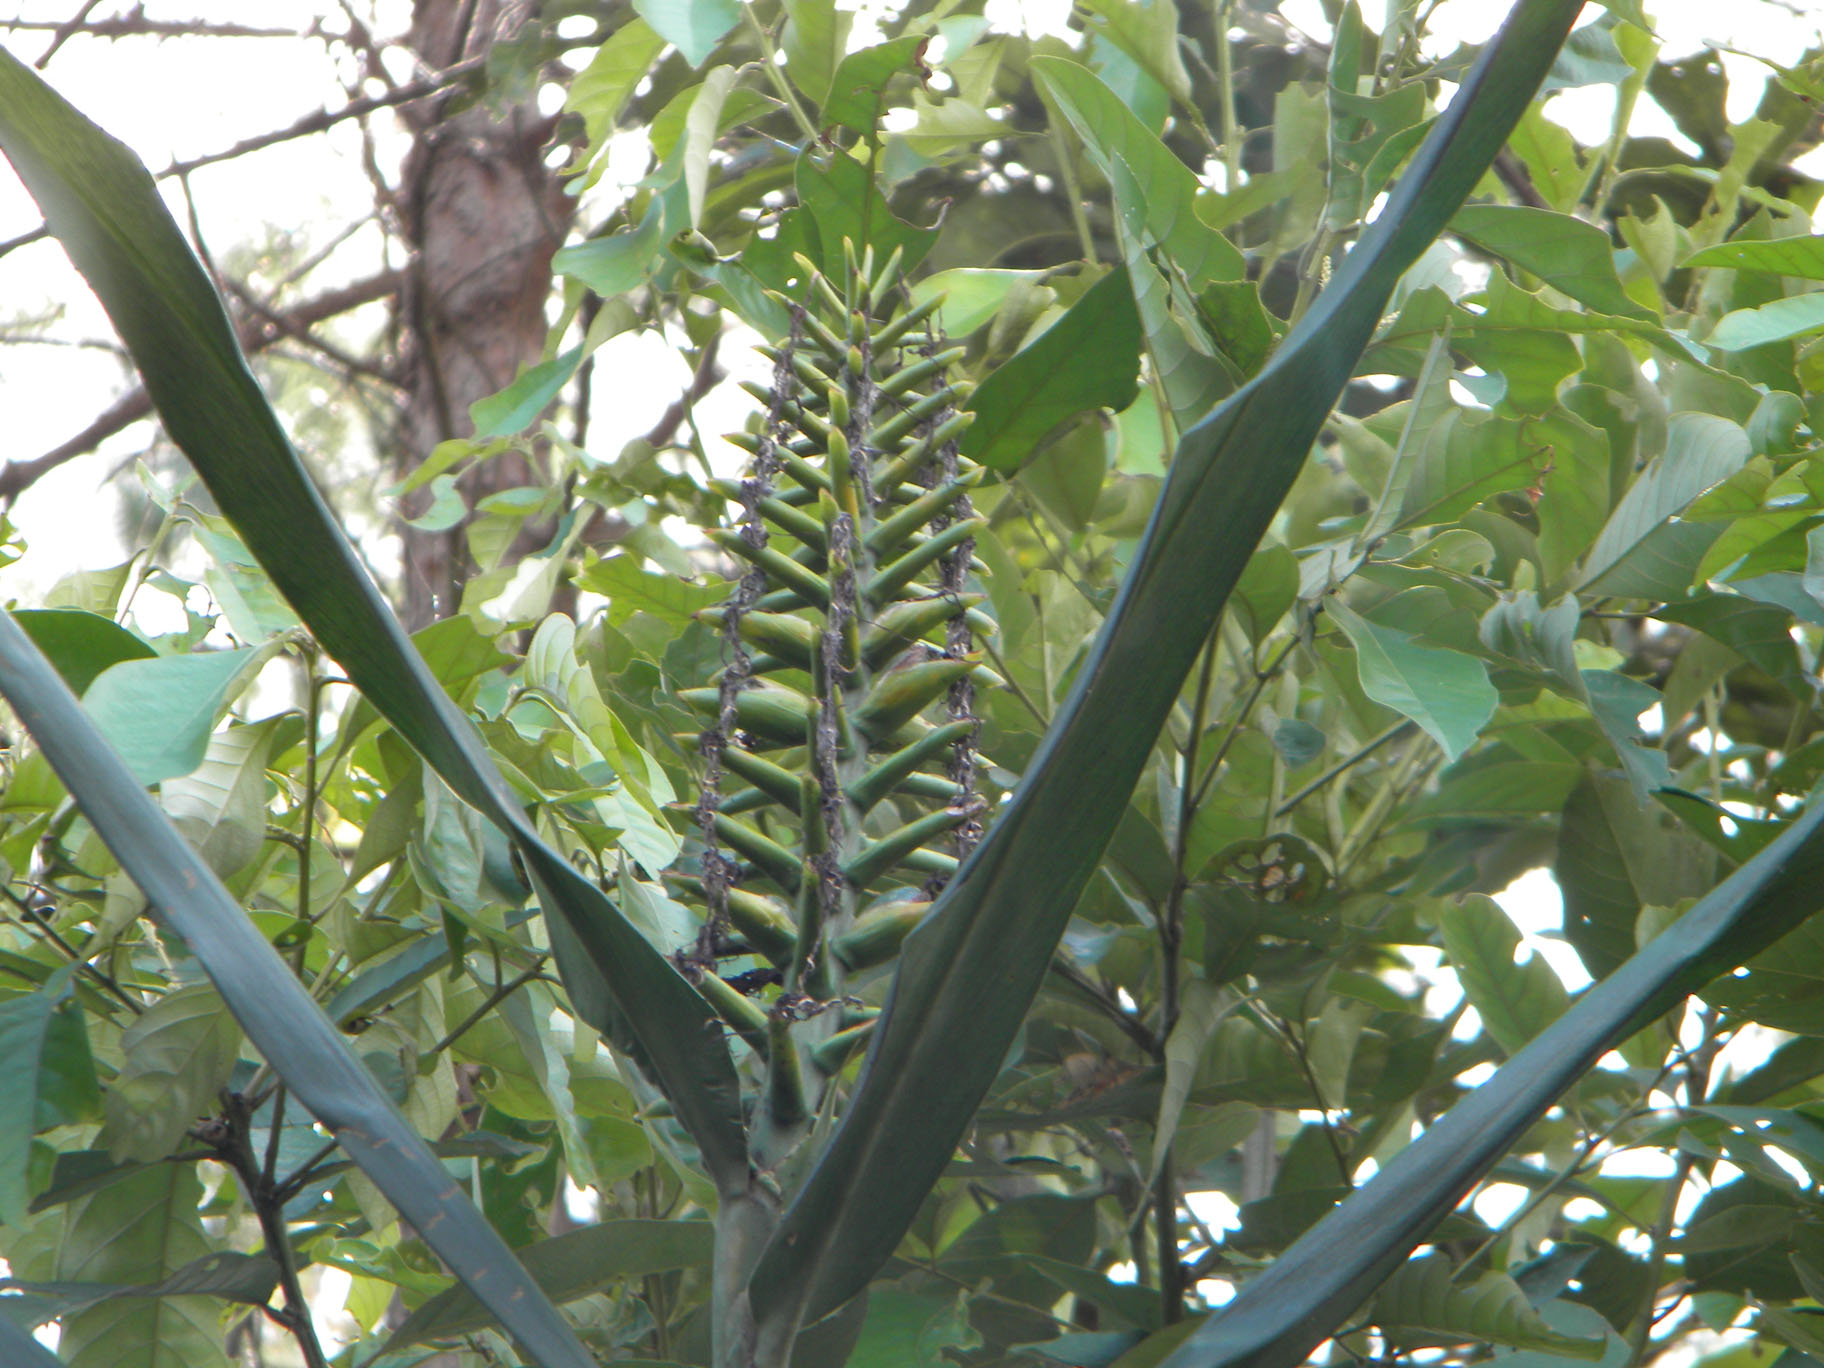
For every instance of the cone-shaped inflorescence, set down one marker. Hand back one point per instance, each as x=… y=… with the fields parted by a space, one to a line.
x=839 y=765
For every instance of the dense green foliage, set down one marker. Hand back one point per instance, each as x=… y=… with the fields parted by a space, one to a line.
x=1267 y=567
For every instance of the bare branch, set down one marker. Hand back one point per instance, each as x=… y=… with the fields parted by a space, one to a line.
x=256 y=335
x=64 y=31
x=318 y=122
x=138 y=25
x=324 y=119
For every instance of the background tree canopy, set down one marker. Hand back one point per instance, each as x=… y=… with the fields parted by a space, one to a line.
x=994 y=861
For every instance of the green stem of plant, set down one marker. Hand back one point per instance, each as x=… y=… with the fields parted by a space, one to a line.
x=1261 y=680
x=1626 y=94
x=1225 y=98
x=493 y=1000
x=1311 y=271
x=70 y=952
x=1591 y=1144
x=268 y=1208
x=769 y=58
x=1346 y=763
x=141 y=563
x=313 y=702
x=1165 y=1221
x=1640 y=1333
x=1713 y=758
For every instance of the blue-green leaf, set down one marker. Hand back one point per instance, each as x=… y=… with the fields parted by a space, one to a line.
x=694 y=27
x=1445 y=692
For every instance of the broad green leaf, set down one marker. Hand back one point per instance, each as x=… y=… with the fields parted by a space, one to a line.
x=447 y=507
x=1067 y=473
x=912 y=1330
x=138 y=1230
x=701 y=127
x=1574 y=256
x=1795 y=256
x=1701 y=451
x=1088 y=359
x=1616 y=702
x=47 y=1077
x=1515 y=1001
x=1426 y=1296
x=1445 y=692
x=1761 y=633
x=694 y=27
x=178 y=1055
x=601 y=90
x=569 y=1266
x=1155 y=203
x=971 y=296
x=254 y=612
x=969 y=972
x=220 y=806
x=247 y=1278
x=1501 y=789
x=1616 y=856
x=630 y=589
x=858 y=88
x=843 y=202
x=1266 y=589
x=615 y=264
x=1590 y=56
x=81 y=645
x=158 y=713
x=1368 y=133
x=1147 y=31
x=1794 y=316
x=945 y=127
x=1237 y=324
x=1430 y=407
x=815 y=38
x=519 y=405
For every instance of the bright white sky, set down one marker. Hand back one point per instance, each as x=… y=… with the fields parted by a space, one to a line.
x=172 y=100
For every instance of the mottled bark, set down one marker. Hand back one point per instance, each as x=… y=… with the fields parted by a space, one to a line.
x=482 y=215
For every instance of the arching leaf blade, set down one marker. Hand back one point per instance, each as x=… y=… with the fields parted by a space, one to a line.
x=969 y=972
x=104 y=206
x=273 y=1007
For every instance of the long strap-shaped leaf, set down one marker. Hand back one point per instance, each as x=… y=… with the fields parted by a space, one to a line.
x=275 y=1010
x=101 y=202
x=1292 y=1307
x=970 y=971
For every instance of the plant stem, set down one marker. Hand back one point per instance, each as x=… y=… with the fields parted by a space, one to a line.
x=236 y=1151
x=1165 y=1220
x=1225 y=98
x=770 y=60
x=1345 y=763
x=493 y=1000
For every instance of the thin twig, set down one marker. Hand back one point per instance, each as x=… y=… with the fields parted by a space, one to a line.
x=256 y=335
x=318 y=122
x=1345 y=763
x=65 y=31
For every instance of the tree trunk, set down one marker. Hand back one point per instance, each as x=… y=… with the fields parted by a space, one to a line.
x=483 y=215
